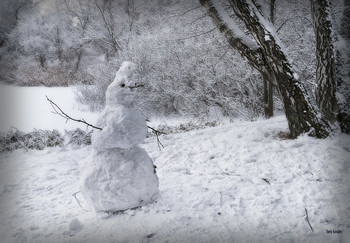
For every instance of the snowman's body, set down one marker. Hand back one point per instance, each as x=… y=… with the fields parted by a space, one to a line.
x=119 y=174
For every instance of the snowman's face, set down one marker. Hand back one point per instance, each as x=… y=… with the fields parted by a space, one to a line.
x=126 y=91
x=123 y=89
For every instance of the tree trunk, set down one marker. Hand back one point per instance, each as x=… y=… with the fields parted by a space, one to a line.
x=266 y=97
x=325 y=59
x=270 y=100
x=343 y=70
x=269 y=59
x=345 y=26
x=270 y=88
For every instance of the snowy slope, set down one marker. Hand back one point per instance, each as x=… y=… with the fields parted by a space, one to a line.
x=211 y=189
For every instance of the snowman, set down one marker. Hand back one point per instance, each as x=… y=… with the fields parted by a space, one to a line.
x=119 y=175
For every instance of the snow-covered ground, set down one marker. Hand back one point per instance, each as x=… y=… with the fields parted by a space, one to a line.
x=237 y=182
x=26 y=108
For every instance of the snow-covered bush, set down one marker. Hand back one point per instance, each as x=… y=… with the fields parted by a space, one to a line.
x=38 y=139
x=78 y=137
x=183 y=127
x=180 y=76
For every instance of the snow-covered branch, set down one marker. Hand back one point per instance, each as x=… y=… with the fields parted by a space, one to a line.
x=247 y=47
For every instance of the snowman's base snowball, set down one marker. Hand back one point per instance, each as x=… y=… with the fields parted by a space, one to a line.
x=119 y=179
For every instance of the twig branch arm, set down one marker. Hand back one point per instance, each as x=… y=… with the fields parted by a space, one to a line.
x=157 y=132
x=60 y=112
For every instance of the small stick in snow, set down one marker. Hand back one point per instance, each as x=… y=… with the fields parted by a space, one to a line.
x=266 y=180
x=307 y=220
x=76 y=199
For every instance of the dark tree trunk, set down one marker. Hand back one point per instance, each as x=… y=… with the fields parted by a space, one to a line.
x=270 y=88
x=268 y=98
x=268 y=58
x=325 y=59
x=345 y=26
x=272 y=10
x=270 y=101
x=343 y=70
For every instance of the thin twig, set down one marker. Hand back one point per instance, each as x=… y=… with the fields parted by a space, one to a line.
x=307 y=220
x=157 y=133
x=266 y=180
x=60 y=112
x=136 y=86
x=179 y=15
x=78 y=201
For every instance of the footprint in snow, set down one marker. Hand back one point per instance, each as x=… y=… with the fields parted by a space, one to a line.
x=74 y=227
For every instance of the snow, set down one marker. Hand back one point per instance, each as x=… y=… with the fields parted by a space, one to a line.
x=116 y=179
x=122 y=128
x=211 y=184
x=26 y=108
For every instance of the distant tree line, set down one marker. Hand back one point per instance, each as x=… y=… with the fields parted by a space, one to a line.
x=185 y=63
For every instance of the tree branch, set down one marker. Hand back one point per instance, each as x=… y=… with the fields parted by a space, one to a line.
x=247 y=47
x=157 y=133
x=60 y=112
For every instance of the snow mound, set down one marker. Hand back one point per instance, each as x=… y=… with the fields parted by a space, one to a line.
x=118 y=179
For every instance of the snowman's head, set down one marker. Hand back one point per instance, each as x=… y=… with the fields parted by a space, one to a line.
x=122 y=90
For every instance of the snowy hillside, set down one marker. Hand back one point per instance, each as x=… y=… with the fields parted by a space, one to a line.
x=237 y=182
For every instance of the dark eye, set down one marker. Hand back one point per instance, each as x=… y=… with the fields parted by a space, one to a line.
x=122 y=85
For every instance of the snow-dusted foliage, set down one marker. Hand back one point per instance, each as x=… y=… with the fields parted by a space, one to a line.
x=38 y=139
x=78 y=137
x=119 y=175
x=186 y=65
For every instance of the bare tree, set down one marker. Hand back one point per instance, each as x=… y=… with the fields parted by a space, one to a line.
x=81 y=13
x=105 y=9
x=325 y=71
x=343 y=69
x=265 y=54
x=332 y=72
x=268 y=86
